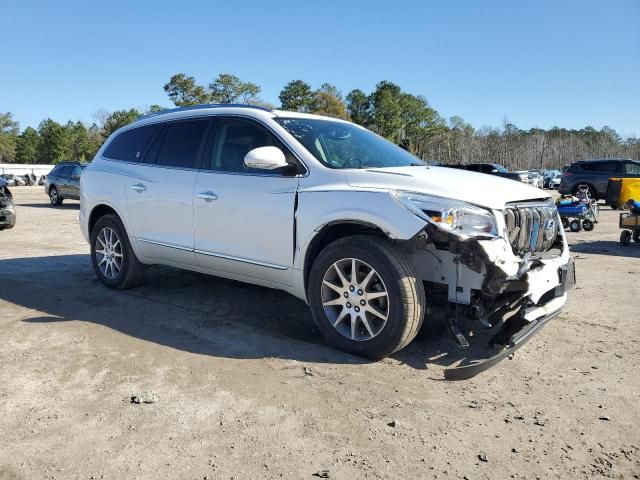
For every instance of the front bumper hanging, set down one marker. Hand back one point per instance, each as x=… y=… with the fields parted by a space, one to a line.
x=567 y=277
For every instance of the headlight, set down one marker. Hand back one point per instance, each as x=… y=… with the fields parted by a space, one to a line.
x=456 y=217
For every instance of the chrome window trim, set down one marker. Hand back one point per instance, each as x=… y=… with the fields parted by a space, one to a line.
x=217 y=116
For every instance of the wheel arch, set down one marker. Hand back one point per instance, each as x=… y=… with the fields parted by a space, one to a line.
x=332 y=231
x=99 y=211
x=589 y=184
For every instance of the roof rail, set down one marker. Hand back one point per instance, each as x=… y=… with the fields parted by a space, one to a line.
x=202 y=106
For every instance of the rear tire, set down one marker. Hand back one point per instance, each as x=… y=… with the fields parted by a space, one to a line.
x=587 y=225
x=592 y=192
x=54 y=197
x=344 y=306
x=113 y=260
x=636 y=236
x=625 y=238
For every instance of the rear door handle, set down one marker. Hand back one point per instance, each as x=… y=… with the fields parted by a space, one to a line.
x=138 y=187
x=208 y=196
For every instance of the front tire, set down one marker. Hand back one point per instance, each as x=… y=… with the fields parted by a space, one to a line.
x=54 y=197
x=113 y=260
x=365 y=296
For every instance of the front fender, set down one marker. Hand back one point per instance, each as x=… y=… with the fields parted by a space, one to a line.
x=317 y=209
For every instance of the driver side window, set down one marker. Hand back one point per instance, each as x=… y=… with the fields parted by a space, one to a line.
x=234 y=138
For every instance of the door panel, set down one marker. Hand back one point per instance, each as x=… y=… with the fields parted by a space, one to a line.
x=160 y=194
x=73 y=184
x=244 y=224
x=160 y=211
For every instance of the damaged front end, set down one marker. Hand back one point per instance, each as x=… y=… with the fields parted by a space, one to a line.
x=7 y=208
x=504 y=280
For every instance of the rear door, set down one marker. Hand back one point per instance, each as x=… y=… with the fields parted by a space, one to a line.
x=73 y=183
x=244 y=218
x=160 y=191
x=600 y=172
x=62 y=180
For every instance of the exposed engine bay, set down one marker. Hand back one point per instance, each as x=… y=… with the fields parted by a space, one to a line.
x=506 y=286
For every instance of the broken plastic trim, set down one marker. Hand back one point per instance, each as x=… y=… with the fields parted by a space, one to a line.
x=515 y=342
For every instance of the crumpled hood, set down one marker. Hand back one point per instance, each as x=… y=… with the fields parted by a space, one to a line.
x=477 y=188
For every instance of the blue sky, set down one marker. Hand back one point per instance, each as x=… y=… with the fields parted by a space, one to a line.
x=536 y=63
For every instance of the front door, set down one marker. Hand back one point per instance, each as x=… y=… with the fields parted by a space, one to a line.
x=244 y=218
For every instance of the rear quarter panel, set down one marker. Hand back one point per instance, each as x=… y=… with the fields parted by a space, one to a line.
x=101 y=184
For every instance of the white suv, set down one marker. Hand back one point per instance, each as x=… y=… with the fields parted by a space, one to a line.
x=361 y=230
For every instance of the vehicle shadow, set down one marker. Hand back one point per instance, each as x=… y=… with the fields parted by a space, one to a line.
x=64 y=206
x=607 y=247
x=193 y=312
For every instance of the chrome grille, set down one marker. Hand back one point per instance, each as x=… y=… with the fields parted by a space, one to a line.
x=531 y=227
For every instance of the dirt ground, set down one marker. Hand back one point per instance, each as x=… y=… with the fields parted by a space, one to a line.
x=243 y=386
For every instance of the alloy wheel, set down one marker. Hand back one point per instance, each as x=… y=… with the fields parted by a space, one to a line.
x=355 y=299
x=108 y=252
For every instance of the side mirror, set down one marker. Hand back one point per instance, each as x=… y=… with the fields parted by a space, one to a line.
x=265 y=158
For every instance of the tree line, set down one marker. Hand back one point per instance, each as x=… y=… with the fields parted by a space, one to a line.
x=401 y=117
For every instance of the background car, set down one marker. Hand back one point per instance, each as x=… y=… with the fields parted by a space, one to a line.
x=595 y=174
x=64 y=182
x=554 y=183
x=492 y=169
x=549 y=176
x=7 y=208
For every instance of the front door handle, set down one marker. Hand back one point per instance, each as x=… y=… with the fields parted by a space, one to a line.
x=208 y=196
x=138 y=187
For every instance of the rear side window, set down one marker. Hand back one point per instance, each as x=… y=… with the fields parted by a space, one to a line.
x=181 y=144
x=130 y=145
x=602 y=167
x=632 y=168
x=63 y=171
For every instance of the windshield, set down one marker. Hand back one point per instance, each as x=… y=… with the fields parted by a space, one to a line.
x=345 y=145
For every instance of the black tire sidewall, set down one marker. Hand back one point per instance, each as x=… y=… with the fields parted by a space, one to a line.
x=587 y=225
x=575 y=222
x=58 y=200
x=385 y=342
x=625 y=238
x=114 y=223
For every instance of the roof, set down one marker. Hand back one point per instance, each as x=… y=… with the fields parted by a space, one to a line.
x=202 y=107
x=193 y=110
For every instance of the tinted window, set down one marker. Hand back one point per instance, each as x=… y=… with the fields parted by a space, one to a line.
x=181 y=144
x=234 y=138
x=632 y=168
x=76 y=171
x=64 y=171
x=131 y=144
x=602 y=167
